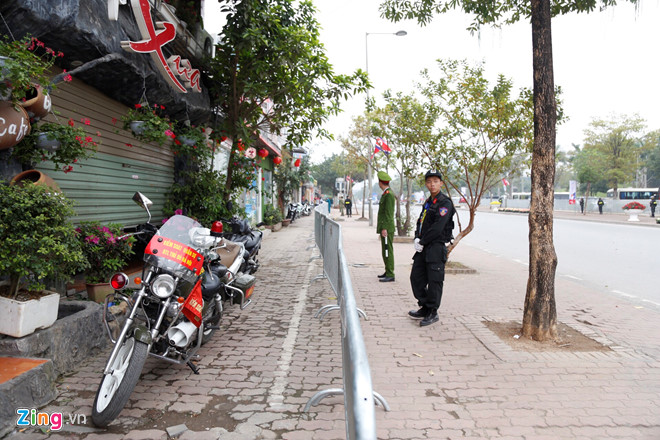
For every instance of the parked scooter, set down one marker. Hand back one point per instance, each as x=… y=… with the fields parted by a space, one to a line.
x=292 y=212
x=241 y=232
x=189 y=272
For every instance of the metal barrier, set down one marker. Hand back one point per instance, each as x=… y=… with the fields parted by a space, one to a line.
x=359 y=397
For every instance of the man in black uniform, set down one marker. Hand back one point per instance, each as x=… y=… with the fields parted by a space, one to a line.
x=433 y=231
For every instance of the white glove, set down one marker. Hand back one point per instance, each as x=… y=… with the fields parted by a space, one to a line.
x=418 y=247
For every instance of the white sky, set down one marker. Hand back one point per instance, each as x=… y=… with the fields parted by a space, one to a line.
x=602 y=60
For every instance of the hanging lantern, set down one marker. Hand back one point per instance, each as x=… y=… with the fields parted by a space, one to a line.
x=263 y=153
x=296 y=163
x=277 y=160
x=251 y=153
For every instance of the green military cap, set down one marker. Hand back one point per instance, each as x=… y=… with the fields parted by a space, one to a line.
x=382 y=175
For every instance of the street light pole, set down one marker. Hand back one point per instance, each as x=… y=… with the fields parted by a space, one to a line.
x=366 y=63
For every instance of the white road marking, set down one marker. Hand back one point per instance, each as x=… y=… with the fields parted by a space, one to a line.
x=627 y=295
x=524 y=263
x=573 y=277
x=275 y=394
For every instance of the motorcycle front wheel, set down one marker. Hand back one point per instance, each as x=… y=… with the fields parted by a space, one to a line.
x=117 y=386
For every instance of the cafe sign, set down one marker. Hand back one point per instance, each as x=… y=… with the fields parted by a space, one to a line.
x=178 y=72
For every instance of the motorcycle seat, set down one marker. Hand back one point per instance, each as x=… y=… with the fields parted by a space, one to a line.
x=229 y=253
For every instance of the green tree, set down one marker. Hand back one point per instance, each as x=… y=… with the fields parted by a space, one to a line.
x=540 y=314
x=407 y=124
x=617 y=142
x=271 y=73
x=588 y=165
x=652 y=142
x=482 y=129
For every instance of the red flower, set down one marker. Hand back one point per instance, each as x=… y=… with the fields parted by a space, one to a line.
x=223 y=138
x=129 y=145
x=71 y=122
x=114 y=121
x=138 y=106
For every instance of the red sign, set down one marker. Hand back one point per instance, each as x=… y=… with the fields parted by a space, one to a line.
x=177 y=252
x=155 y=37
x=192 y=308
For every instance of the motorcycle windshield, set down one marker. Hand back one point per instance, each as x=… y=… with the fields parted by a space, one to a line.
x=172 y=248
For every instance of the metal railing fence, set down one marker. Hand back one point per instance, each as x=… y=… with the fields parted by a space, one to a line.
x=359 y=397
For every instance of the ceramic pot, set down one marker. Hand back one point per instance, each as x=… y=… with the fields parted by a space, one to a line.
x=186 y=141
x=286 y=222
x=98 y=292
x=276 y=227
x=137 y=127
x=14 y=124
x=35 y=176
x=37 y=103
x=21 y=318
x=47 y=142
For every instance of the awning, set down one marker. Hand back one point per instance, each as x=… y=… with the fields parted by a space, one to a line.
x=269 y=145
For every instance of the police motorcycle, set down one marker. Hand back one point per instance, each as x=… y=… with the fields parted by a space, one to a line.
x=241 y=232
x=189 y=272
x=306 y=208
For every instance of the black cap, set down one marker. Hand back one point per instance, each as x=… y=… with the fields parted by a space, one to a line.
x=433 y=173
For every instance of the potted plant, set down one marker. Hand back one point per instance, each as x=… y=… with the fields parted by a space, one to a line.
x=273 y=217
x=25 y=65
x=633 y=209
x=105 y=253
x=62 y=144
x=191 y=143
x=37 y=242
x=146 y=124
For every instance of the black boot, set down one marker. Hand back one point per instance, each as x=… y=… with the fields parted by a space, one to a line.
x=430 y=318
x=383 y=275
x=418 y=314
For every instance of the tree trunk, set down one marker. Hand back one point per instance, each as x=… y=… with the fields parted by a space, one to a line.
x=406 y=225
x=586 y=198
x=540 y=313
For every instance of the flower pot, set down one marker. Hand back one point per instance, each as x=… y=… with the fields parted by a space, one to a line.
x=137 y=127
x=286 y=222
x=14 y=124
x=37 y=103
x=277 y=226
x=21 y=318
x=48 y=142
x=98 y=292
x=35 y=176
x=633 y=214
x=186 y=140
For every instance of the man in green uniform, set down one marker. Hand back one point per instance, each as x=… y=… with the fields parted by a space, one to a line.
x=385 y=225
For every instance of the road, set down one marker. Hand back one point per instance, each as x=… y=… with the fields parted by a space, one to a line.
x=616 y=258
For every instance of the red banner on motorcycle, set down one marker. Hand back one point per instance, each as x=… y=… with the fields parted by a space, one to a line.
x=177 y=252
x=192 y=308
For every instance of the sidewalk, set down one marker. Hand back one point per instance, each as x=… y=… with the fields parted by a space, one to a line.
x=453 y=380
x=456 y=379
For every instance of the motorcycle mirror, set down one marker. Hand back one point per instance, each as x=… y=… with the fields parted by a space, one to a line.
x=143 y=202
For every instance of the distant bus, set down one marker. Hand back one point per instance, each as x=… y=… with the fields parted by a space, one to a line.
x=633 y=193
x=521 y=195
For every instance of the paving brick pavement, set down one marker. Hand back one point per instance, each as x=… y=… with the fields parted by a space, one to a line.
x=454 y=379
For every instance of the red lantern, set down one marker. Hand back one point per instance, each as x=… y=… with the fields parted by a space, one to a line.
x=277 y=160
x=263 y=153
x=296 y=163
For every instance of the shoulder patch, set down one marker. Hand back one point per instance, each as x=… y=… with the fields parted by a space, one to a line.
x=443 y=211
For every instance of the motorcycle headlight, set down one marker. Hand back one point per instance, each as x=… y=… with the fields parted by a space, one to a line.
x=163 y=286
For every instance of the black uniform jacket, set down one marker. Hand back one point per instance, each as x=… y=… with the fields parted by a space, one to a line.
x=430 y=229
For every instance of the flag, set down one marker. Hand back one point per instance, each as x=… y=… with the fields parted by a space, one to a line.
x=192 y=308
x=505 y=182
x=572 y=190
x=381 y=146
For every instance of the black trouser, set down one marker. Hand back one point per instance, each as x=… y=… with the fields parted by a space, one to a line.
x=600 y=209
x=652 y=211
x=348 y=210
x=427 y=280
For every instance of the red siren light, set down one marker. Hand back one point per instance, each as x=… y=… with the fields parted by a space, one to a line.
x=216 y=229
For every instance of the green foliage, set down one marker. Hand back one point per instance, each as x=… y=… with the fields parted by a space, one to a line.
x=200 y=195
x=154 y=128
x=272 y=215
x=36 y=239
x=616 y=143
x=652 y=142
x=75 y=145
x=482 y=127
x=271 y=73
x=105 y=253
x=191 y=142
x=494 y=13
x=27 y=64
x=289 y=178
